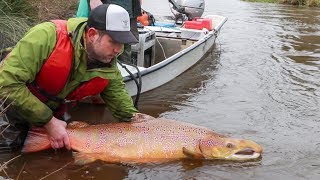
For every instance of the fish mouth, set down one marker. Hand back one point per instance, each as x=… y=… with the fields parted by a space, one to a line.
x=247 y=153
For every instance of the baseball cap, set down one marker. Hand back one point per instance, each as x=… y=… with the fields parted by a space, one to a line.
x=114 y=20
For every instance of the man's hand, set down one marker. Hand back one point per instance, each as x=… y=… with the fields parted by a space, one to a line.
x=57 y=133
x=141 y=116
x=95 y=3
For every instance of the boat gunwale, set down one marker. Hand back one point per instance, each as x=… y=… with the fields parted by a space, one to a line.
x=176 y=56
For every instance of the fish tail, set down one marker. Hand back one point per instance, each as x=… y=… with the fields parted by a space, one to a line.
x=36 y=140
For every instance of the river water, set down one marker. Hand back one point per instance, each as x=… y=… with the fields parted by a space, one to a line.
x=261 y=82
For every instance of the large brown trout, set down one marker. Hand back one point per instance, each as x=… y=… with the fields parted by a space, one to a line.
x=146 y=139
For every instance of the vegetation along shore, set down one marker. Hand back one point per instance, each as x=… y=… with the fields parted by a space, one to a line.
x=17 y=16
x=311 y=3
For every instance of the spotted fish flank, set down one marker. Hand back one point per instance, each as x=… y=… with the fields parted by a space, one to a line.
x=146 y=139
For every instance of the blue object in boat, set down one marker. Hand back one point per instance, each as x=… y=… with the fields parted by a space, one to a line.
x=162 y=24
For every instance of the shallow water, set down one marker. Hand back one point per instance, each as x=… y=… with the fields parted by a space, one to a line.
x=260 y=82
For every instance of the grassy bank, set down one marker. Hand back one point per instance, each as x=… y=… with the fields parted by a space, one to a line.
x=311 y=3
x=54 y=9
x=17 y=16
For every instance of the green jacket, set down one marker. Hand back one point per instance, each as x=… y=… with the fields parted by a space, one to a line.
x=24 y=62
x=133 y=7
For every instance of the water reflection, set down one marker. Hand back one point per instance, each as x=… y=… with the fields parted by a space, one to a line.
x=59 y=165
x=177 y=91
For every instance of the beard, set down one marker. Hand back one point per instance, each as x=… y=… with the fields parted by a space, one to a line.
x=94 y=60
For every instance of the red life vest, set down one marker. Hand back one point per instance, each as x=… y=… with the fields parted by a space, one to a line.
x=55 y=72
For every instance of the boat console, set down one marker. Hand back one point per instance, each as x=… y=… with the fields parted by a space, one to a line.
x=144 y=51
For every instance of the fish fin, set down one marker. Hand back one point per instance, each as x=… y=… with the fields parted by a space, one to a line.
x=83 y=158
x=36 y=140
x=77 y=124
x=192 y=154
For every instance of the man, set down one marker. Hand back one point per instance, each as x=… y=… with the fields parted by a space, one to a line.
x=66 y=60
x=132 y=6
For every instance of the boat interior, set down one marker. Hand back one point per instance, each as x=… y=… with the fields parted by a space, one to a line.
x=156 y=46
x=158 y=43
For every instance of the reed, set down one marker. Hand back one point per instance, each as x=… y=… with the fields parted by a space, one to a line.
x=12 y=28
x=16 y=7
x=57 y=9
x=15 y=20
x=17 y=16
x=314 y=3
x=265 y=1
x=311 y=3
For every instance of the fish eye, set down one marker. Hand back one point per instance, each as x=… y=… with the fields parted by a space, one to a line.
x=230 y=145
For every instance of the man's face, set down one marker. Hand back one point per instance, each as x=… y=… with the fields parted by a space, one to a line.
x=101 y=47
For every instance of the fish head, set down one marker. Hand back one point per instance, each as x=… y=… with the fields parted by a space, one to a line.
x=216 y=147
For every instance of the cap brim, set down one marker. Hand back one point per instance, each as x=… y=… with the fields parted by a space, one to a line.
x=124 y=37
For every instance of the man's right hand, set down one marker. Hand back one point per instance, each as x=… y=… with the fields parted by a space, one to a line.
x=57 y=133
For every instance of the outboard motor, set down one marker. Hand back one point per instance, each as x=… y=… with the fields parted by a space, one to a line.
x=189 y=8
